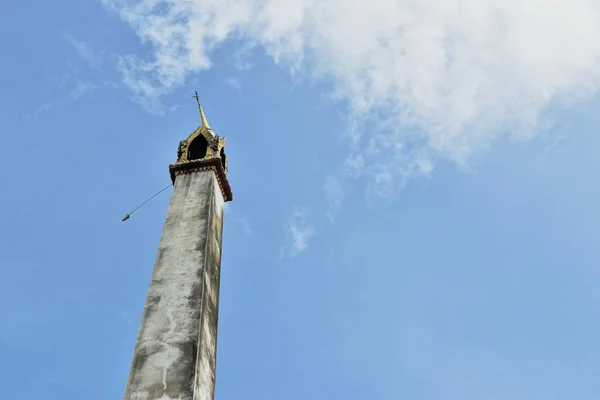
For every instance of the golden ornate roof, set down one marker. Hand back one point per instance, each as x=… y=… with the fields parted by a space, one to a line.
x=202 y=150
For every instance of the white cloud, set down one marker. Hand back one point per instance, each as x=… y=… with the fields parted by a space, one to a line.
x=298 y=232
x=437 y=78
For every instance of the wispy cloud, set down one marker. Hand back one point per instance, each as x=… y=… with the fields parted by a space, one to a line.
x=86 y=51
x=71 y=90
x=433 y=79
x=41 y=109
x=298 y=233
x=234 y=83
x=241 y=57
x=245 y=226
x=335 y=193
x=240 y=222
x=70 y=87
x=76 y=81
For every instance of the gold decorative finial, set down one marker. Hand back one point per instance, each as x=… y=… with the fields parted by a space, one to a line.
x=202 y=116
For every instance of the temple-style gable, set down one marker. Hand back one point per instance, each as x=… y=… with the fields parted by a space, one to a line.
x=202 y=150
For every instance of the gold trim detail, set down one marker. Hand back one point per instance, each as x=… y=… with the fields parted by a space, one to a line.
x=226 y=195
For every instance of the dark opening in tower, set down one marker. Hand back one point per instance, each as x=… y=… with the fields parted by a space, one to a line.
x=198 y=148
x=223 y=158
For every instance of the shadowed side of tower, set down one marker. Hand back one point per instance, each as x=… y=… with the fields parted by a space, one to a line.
x=175 y=352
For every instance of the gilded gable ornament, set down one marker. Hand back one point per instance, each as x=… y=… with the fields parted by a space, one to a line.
x=214 y=145
x=182 y=151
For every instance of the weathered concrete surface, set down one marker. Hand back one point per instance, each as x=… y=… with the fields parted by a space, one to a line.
x=175 y=353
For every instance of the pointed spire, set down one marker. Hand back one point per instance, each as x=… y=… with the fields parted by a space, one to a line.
x=202 y=116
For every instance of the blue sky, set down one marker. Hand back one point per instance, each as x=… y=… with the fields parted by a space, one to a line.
x=415 y=207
